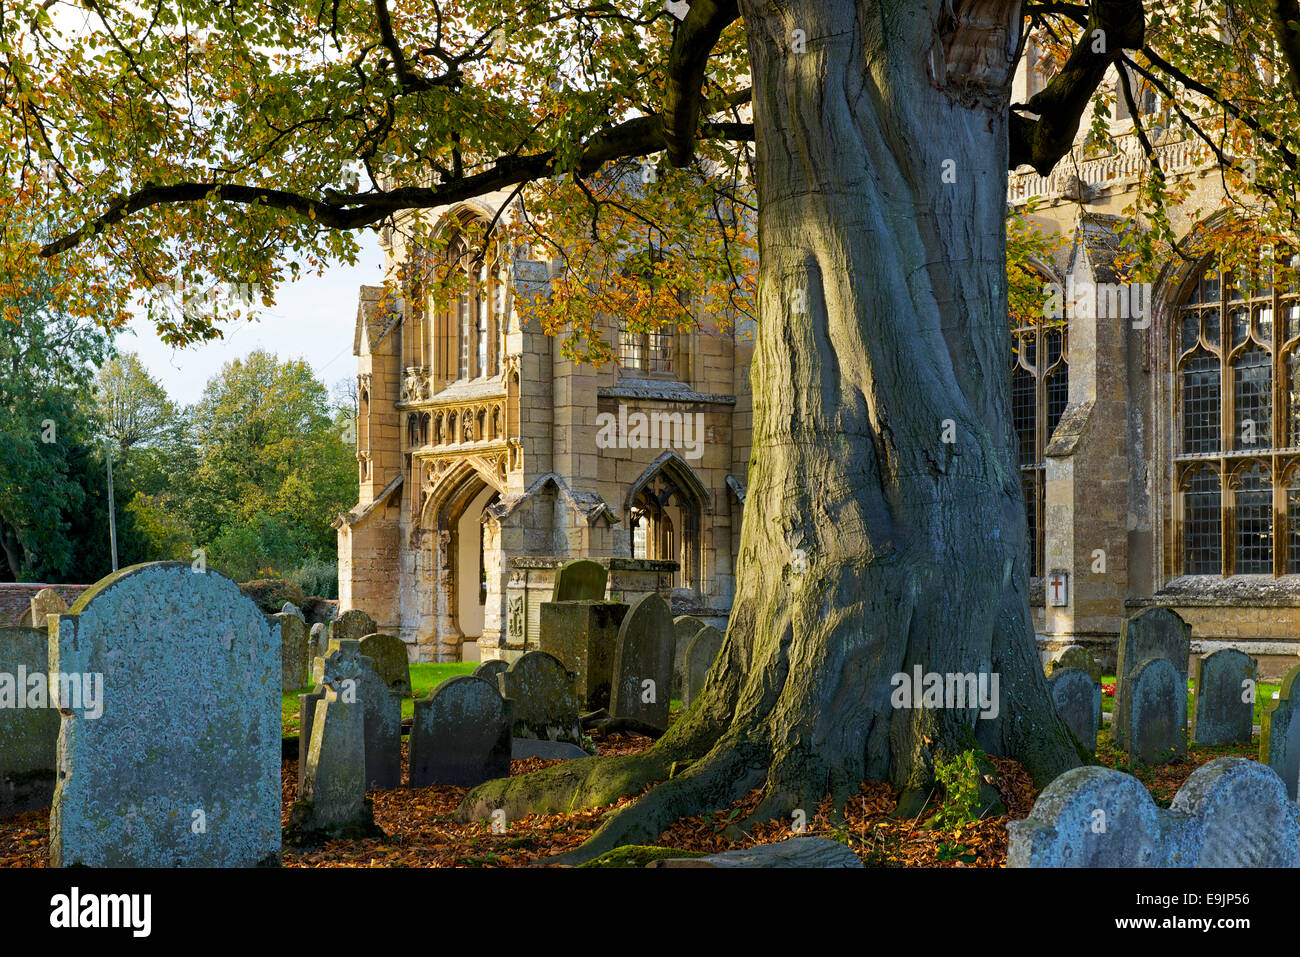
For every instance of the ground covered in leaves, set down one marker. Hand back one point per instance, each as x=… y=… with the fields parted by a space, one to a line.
x=423 y=832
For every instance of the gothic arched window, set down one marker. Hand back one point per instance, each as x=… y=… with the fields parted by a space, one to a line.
x=1236 y=354
x=468 y=329
x=1040 y=390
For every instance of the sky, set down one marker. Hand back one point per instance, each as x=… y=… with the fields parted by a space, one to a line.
x=313 y=319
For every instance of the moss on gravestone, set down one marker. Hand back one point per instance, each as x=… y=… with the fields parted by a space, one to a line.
x=298 y=834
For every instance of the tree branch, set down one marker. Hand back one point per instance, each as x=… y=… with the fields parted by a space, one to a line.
x=1285 y=15
x=693 y=42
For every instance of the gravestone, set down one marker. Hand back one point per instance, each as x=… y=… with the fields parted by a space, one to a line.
x=1157 y=712
x=461 y=734
x=332 y=803
x=643 y=663
x=545 y=702
x=29 y=721
x=306 y=715
x=703 y=649
x=685 y=627
x=318 y=641
x=289 y=608
x=295 y=659
x=388 y=652
x=352 y=626
x=580 y=580
x=185 y=732
x=1155 y=633
x=383 y=728
x=1279 y=734
x=1224 y=704
x=1076 y=656
x=1078 y=700
x=583 y=635
x=1231 y=812
x=45 y=602
x=489 y=670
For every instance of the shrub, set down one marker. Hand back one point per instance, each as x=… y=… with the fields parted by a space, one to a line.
x=271 y=593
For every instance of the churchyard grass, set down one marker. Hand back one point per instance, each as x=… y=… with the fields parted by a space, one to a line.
x=424 y=678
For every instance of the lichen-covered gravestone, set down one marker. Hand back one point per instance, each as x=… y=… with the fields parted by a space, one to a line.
x=545 y=703
x=1155 y=633
x=1225 y=697
x=489 y=670
x=1279 y=735
x=45 y=602
x=703 y=649
x=332 y=802
x=295 y=659
x=1078 y=699
x=383 y=724
x=29 y=721
x=685 y=627
x=1076 y=656
x=1157 y=713
x=643 y=663
x=461 y=734
x=580 y=580
x=317 y=641
x=176 y=762
x=388 y=652
x=352 y=626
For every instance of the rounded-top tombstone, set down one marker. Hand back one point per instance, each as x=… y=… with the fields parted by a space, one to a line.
x=685 y=627
x=703 y=649
x=1154 y=633
x=352 y=626
x=643 y=663
x=183 y=727
x=1077 y=698
x=489 y=670
x=580 y=580
x=1225 y=697
x=388 y=652
x=545 y=701
x=1279 y=736
x=1157 y=712
x=1242 y=813
x=461 y=734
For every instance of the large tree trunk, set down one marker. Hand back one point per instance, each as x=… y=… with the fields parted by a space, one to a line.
x=882 y=443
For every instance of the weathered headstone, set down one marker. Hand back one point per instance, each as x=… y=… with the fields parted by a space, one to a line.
x=703 y=649
x=685 y=627
x=1225 y=697
x=332 y=803
x=1155 y=633
x=318 y=641
x=1078 y=699
x=45 y=602
x=306 y=716
x=388 y=652
x=1157 y=712
x=352 y=626
x=582 y=635
x=489 y=670
x=643 y=663
x=174 y=759
x=580 y=580
x=383 y=726
x=1076 y=656
x=1231 y=812
x=29 y=721
x=461 y=734
x=545 y=703
x=295 y=660
x=1279 y=733
x=289 y=608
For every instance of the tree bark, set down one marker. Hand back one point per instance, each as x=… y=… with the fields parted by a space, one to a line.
x=882 y=440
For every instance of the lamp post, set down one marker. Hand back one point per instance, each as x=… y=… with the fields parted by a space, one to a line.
x=112 y=521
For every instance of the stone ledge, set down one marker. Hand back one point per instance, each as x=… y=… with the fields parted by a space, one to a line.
x=661 y=392
x=1212 y=591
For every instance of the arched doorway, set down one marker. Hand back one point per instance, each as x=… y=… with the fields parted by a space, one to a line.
x=665 y=508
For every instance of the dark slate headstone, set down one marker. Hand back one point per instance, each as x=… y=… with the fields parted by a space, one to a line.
x=188 y=721
x=582 y=635
x=1157 y=712
x=643 y=663
x=352 y=626
x=580 y=580
x=1076 y=656
x=295 y=658
x=461 y=734
x=29 y=736
x=545 y=702
x=685 y=627
x=703 y=649
x=1279 y=733
x=1077 y=698
x=489 y=670
x=388 y=652
x=383 y=728
x=1225 y=697
x=1155 y=633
